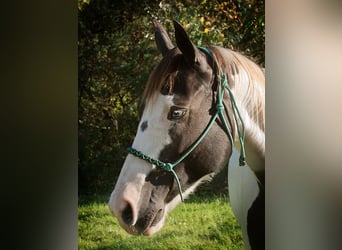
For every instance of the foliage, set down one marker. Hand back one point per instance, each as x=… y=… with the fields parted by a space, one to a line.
x=201 y=223
x=238 y=25
x=116 y=54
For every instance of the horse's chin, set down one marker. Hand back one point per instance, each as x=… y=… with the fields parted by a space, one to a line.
x=159 y=221
x=154 y=228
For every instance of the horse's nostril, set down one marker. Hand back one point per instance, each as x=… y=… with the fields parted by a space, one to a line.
x=127 y=215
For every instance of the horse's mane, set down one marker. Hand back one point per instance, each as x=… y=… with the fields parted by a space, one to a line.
x=245 y=77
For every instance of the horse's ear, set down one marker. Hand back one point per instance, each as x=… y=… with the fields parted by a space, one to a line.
x=184 y=44
x=163 y=40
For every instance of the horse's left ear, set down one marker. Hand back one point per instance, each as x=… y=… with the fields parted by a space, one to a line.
x=163 y=40
x=189 y=50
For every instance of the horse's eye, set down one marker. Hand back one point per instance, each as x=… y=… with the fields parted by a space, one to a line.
x=176 y=113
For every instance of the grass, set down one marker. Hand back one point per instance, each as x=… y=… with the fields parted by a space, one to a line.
x=205 y=222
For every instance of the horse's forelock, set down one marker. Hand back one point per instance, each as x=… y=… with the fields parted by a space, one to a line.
x=162 y=77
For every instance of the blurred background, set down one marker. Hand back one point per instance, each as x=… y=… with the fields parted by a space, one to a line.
x=49 y=116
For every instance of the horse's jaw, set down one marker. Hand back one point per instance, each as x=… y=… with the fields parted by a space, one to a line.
x=173 y=203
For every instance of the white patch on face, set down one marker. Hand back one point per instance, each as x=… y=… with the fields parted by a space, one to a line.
x=156 y=136
x=134 y=171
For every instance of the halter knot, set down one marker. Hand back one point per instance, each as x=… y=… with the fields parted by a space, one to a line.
x=219 y=107
x=167 y=166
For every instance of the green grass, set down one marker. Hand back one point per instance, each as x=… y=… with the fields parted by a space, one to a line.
x=199 y=223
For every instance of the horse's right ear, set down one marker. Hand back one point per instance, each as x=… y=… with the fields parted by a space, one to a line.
x=163 y=40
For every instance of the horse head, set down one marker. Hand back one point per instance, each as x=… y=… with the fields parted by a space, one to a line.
x=175 y=108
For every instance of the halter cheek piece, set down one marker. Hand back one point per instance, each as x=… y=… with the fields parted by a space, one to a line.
x=223 y=84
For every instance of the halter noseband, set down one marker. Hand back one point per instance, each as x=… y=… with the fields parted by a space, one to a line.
x=223 y=84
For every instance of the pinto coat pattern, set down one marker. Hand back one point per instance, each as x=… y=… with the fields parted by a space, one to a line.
x=175 y=108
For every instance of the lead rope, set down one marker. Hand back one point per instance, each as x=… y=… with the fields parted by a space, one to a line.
x=219 y=113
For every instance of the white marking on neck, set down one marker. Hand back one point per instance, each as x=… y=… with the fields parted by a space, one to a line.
x=243 y=190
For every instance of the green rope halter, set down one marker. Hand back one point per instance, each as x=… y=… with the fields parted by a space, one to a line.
x=218 y=114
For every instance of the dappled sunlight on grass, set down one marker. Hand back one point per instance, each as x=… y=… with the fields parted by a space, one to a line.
x=199 y=223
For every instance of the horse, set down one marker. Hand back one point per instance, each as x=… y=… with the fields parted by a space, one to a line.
x=200 y=109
